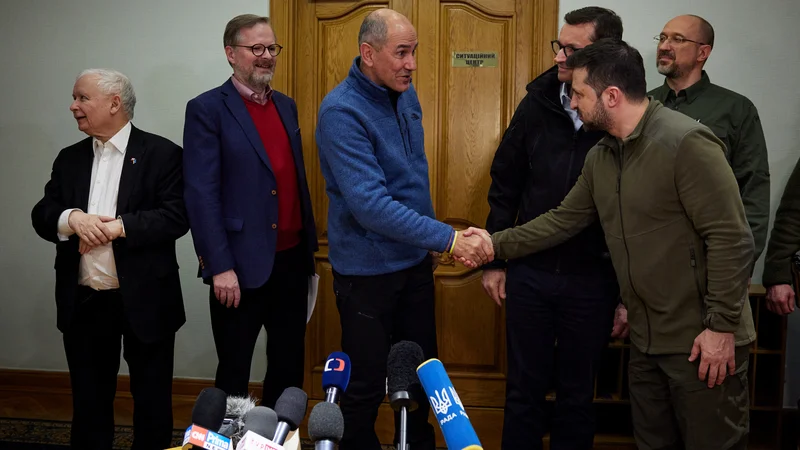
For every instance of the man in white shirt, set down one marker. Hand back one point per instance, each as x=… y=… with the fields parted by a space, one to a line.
x=114 y=208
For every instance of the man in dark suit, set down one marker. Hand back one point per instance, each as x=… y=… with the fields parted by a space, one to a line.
x=114 y=208
x=250 y=213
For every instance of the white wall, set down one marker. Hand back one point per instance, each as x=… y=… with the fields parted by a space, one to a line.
x=172 y=51
x=752 y=55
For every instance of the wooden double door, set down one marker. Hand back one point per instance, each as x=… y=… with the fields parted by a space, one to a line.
x=465 y=112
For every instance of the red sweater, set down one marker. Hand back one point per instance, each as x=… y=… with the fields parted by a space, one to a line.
x=279 y=150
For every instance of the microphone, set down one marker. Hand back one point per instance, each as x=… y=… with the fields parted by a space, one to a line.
x=207 y=414
x=259 y=423
x=403 y=358
x=453 y=420
x=336 y=376
x=233 y=423
x=291 y=409
x=325 y=425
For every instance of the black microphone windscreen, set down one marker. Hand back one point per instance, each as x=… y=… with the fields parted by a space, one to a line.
x=291 y=407
x=261 y=421
x=209 y=409
x=326 y=422
x=401 y=366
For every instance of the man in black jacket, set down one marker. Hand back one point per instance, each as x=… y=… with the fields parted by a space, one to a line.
x=560 y=302
x=114 y=208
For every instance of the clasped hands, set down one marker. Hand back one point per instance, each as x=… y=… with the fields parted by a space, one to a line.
x=474 y=247
x=93 y=230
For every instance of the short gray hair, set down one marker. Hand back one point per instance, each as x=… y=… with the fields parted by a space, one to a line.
x=113 y=82
x=373 y=30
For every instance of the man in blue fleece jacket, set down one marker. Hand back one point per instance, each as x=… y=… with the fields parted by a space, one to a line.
x=381 y=223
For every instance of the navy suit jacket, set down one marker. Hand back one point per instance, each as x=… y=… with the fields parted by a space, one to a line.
x=228 y=185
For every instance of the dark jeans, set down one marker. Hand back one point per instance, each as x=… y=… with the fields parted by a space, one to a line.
x=556 y=319
x=93 y=345
x=376 y=312
x=280 y=306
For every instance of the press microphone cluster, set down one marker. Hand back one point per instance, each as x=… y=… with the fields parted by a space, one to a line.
x=402 y=383
x=445 y=402
x=325 y=425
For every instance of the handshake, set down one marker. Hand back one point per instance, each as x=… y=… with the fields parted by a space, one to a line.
x=473 y=247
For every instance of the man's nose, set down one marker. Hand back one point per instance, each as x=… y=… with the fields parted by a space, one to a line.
x=560 y=57
x=411 y=63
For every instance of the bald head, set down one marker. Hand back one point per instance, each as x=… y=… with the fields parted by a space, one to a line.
x=387 y=43
x=693 y=27
x=379 y=24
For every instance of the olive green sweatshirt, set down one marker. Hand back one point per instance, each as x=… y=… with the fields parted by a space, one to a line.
x=674 y=223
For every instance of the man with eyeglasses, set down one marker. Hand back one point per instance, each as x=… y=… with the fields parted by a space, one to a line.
x=684 y=46
x=250 y=213
x=567 y=294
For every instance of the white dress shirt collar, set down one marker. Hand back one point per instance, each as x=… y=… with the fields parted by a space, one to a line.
x=119 y=141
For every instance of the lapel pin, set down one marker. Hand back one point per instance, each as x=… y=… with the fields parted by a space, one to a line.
x=133 y=160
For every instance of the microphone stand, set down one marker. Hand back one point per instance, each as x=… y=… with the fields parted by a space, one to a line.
x=402 y=400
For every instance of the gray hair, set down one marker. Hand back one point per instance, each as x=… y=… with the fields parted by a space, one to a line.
x=112 y=82
x=373 y=30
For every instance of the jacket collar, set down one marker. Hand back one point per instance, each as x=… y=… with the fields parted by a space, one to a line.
x=691 y=93
x=364 y=85
x=614 y=142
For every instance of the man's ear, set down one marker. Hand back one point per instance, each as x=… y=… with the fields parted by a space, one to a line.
x=614 y=96
x=367 y=54
x=116 y=104
x=705 y=52
x=229 y=54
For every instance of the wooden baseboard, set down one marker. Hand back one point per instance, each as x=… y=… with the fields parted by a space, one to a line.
x=33 y=394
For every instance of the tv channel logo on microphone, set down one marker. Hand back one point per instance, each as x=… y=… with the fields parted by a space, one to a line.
x=335 y=365
x=199 y=437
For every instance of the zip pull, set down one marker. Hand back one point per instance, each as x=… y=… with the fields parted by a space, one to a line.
x=619 y=181
x=692 y=258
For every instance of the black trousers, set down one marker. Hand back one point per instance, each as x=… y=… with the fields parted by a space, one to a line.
x=376 y=312
x=280 y=307
x=561 y=320
x=92 y=347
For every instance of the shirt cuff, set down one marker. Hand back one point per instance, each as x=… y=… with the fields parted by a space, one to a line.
x=64 y=231
x=122 y=224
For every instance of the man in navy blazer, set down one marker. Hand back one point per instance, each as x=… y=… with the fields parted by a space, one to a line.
x=250 y=213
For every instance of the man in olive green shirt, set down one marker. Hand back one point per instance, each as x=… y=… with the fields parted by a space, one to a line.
x=684 y=46
x=681 y=247
x=783 y=244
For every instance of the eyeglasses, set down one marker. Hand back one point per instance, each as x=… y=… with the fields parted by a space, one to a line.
x=557 y=47
x=661 y=38
x=259 y=49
